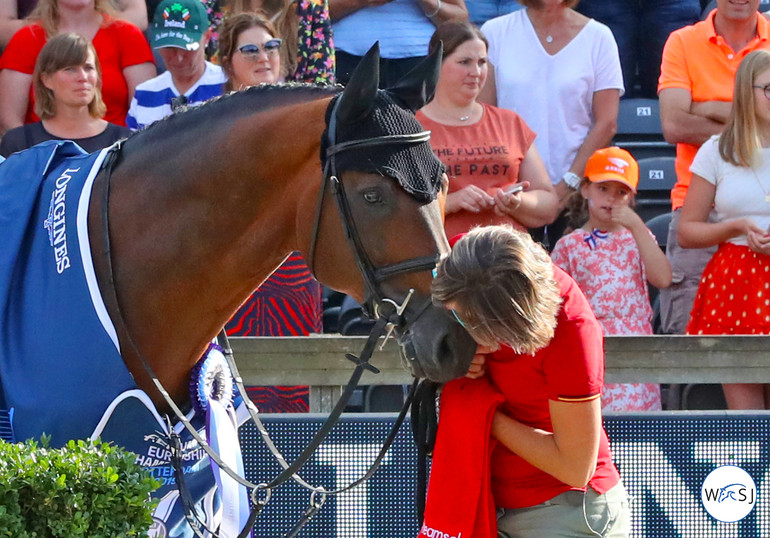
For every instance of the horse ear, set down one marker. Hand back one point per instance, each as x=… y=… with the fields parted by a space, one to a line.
x=357 y=98
x=419 y=84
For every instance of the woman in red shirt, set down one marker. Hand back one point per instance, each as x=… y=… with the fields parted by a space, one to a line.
x=123 y=52
x=541 y=348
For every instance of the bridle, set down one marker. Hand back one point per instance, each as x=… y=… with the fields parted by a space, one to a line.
x=387 y=312
x=373 y=276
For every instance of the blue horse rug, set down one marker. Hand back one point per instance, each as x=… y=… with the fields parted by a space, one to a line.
x=61 y=372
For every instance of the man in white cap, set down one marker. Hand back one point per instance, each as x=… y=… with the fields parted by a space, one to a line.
x=180 y=32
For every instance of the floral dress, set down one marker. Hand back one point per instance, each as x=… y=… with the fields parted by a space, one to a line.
x=315 y=54
x=608 y=268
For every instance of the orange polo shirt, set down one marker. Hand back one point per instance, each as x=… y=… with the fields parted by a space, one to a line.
x=696 y=59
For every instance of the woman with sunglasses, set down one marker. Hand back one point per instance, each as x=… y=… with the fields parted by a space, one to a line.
x=249 y=51
x=731 y=177
x=289 y=302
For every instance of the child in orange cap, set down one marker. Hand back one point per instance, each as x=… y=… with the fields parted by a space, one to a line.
x=611 y=257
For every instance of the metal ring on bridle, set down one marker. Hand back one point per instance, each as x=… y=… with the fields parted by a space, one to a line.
x=268 y=492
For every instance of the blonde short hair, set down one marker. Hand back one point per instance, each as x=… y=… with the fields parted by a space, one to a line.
x=501 y=284
x=60 y=52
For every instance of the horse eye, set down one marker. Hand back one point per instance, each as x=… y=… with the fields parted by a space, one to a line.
x=373 y=197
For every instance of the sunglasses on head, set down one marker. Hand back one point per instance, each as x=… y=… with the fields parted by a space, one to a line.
x=271 y=48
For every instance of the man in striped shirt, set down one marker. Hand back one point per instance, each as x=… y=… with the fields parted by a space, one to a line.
x=180 y=33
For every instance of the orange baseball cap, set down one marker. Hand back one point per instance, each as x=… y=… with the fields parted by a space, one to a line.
x=613 y=164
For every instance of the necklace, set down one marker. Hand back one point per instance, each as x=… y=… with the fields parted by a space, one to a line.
x=465 y=118
x=762 y=188
x=549 y=39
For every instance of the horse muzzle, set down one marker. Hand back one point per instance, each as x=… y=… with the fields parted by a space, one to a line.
x=436 y=347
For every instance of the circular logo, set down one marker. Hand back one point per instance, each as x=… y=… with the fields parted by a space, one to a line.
x=728 y=493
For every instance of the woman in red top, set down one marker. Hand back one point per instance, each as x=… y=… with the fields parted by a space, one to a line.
x=486 y=149
x=538 y=341
x=123 y=52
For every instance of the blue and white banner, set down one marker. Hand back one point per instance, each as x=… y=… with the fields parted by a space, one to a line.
x=664 y=458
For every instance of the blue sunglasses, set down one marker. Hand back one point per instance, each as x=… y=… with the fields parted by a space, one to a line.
x=251 y=51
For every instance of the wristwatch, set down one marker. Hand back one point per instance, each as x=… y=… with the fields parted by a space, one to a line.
x=571 y=179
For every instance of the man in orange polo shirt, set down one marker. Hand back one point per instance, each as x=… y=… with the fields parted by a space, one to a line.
x=696 y=91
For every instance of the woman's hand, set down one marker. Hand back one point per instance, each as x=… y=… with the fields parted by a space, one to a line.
x=758 y=239
x=478 y=365
x=470 y=198
x=507 y=204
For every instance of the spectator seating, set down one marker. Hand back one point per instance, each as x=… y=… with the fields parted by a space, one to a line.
x=657 y=177
x=639 y=129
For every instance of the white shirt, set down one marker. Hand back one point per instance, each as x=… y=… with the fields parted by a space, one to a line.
x=740 y=192
x=554 y=94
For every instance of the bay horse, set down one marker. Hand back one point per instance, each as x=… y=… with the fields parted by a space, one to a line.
x=194 y=212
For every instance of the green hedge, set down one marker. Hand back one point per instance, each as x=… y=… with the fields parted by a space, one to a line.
x=83 y=489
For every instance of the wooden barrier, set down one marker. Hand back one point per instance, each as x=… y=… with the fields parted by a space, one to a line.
x=319 y=361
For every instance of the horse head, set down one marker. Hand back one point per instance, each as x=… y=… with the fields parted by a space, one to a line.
x=389 y=188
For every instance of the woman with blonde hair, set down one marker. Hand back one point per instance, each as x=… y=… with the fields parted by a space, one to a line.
x=731 y=174
x=122 y=50
x=66 y=81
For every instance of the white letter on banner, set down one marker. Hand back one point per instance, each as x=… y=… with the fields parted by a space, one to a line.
x=351 y=462
x=644 y=468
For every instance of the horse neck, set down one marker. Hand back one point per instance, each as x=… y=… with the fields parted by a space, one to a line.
x=205 y=227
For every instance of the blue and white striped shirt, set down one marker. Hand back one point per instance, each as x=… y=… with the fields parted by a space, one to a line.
x=152 y=99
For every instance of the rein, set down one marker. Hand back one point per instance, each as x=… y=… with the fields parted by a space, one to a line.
x=388 y=313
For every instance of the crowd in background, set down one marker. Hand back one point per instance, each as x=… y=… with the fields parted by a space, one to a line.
x=526 y=104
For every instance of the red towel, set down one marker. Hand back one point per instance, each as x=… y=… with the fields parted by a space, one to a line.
x=460 y=503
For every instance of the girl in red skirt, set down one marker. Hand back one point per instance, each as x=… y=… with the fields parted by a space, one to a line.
x=731 y=181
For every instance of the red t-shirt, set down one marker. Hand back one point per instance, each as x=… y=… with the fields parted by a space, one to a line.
x=570 y=369
x=119 y=44
x=487 y=154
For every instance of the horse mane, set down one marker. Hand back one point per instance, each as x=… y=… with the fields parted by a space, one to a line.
x=254 y=99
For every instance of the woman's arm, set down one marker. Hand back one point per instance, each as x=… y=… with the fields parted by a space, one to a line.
x=136 y=74
x=439 y=11
x=133 y=11
x=656 y=265
x=694 y=229
x=9 y=21
x=569 y=453
x=537 y=205
x=605 y=105
x=14 y=87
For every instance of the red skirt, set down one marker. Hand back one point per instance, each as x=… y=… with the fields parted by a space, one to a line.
x=734 y=293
